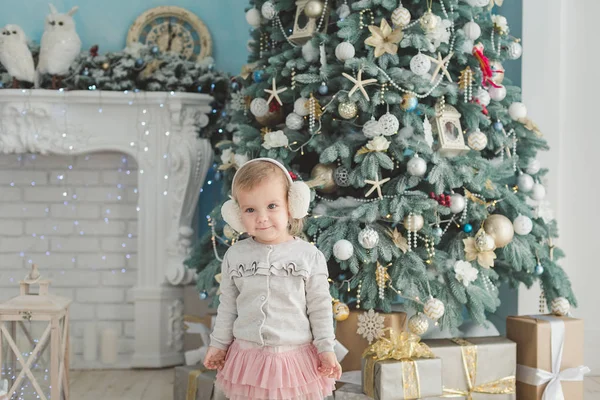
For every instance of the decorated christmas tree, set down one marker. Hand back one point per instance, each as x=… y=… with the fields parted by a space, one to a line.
x=420 y=152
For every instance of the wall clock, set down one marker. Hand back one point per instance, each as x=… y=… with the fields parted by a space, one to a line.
x=172 y=29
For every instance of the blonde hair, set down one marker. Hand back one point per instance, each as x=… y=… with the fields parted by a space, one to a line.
x=252 y=174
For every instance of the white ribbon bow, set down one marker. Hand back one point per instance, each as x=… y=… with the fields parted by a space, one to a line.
x=538 y=377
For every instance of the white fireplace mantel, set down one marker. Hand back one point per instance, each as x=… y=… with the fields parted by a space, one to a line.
x=159 y=130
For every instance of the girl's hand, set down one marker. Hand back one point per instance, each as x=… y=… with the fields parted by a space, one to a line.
x=215 y=358
x=329 y=366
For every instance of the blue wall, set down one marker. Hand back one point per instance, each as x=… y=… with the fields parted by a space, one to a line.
x=106 y=23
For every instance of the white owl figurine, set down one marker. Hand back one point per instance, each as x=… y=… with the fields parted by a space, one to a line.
x=60 y=45
x=15 y=54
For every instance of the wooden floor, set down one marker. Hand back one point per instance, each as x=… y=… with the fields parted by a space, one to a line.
x=158 y=385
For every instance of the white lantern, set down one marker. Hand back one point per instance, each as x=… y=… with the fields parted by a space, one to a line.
x=447 y=126
x=35 y=357
x=301 y=34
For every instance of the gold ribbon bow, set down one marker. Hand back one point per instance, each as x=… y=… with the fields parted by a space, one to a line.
x=469 y=356
x=403 y=346
x=192 y=386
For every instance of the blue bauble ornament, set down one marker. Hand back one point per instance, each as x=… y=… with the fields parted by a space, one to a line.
x=468 y=228
x=437 y=232
x=199 y=88
x=1 y=85
x=155 y=49
x=498 y=126
x=203 y=295
x=139 y=62
x=235 y=85
x=323 y=89
x=258 y=75
x=211 y=67
x=341 y=277
x=538 y=270
x=86 y=72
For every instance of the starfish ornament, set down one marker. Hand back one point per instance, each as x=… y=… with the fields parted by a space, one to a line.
x=441 y=65
x=359 y=83
x=274 y=93
x=376 y=186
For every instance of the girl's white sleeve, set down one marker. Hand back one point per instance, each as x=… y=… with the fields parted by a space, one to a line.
x=318 y=305
x=222 y=334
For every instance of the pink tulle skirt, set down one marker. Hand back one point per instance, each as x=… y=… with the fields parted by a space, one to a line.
x=273 y=373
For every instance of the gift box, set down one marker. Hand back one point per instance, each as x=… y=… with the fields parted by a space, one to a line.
x=400 y=368
x=549 y=356
x=477 y=368
x=195 y=383
x=346 y=333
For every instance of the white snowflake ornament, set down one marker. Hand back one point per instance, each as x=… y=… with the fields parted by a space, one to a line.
x=371 y=325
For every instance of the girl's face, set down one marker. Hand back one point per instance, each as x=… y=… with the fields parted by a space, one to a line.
x=265 y=213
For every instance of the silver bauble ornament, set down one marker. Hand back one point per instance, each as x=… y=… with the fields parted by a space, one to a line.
x=342 y=177
x=418 y=324
x=514 y=50
x=268 y=10
x=345 y=51
x=343 y=250
x=457 y=203
x=416 y=223
x=300 y=107
x=560 y=306
x=472 y=30
x=294 y=122
x=401 y=17
x=371 y=129
x=477 y=140
x=428 y=22
x=533 y=166
x=389 y=124
x=434 y=309
x=259 y=107
x=314 y=8
x=517 y=111
x=497 y=72
x=500 y=228
x=538 y=192
x=522 y=225
x=253 y=17
x=368 y=238
x=420 y=64
x=483 y=96
x=497 y=93
x=525 y=183
x=484 y=241
x=347 y=109
x=416 y=166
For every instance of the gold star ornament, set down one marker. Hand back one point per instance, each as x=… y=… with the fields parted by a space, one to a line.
x=384 y=39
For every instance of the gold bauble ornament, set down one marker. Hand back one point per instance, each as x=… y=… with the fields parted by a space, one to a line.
x=418 y=324
x=340 y=311
x=497 y=72
x=323 y=178
x=314 y=8
x=271 y=118
x=414 y=223
x=347 y=109
x=500 y=228
x=484 y=241
x=105 y=66
x=428 y=21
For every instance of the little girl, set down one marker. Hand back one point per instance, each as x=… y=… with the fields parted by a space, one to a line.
x=273 y=336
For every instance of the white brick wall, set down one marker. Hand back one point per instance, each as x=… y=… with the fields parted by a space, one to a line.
x=76 y=218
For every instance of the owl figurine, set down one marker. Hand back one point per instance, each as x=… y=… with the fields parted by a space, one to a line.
x=15 y=55
x=59 y=47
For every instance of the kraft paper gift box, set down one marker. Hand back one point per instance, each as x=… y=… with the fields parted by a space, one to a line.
x=477 y=368
x=195 y=383
x=549 y=348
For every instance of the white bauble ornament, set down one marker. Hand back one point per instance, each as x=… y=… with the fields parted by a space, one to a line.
x=538 y=192
x=253 y=17
x=515 y=50
x=497 y=72
x=500 y=228
x=420 y=64
x=416 y=223
x=477 y=140
x=372 y=129
x=368 y=238
x=497 y=93
x=343 y=249
x=314 y=8
x=401 y=17
x=389 y=124
x=418 y=324
x=560 y=306
x=294 y=122
x=434 y=309
x=345 y=51
x=533 y=167
x=347 y=109
x=483 y=96
x=457 y=203
x=472 y=30
x=300 y=107
x=310 y=53
x=517 y=111
x=478 y=3
x=259 y=107
x=268 y=10
x=417 y=166
x=525 y=183
x=484 y=241
x=522 y=225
